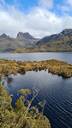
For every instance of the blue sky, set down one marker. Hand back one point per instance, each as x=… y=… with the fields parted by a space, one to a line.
x=27 y=5
x=39 y=17
x=23 y=4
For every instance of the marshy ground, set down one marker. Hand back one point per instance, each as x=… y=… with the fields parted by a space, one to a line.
x=18 y=118
x=54 y=66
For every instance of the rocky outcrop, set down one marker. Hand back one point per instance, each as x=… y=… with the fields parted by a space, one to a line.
x=24 y=42
x=57 y=42
x=62 y=36
x=22 y=36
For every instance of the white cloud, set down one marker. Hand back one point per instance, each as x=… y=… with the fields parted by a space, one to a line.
x=46 y=3
x=66 y=7
x=69 y=2
x=39 y=21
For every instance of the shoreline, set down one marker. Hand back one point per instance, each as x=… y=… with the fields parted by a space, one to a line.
x=56 y=67
x=35 y=50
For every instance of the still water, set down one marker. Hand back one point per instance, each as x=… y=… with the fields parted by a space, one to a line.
x=38 y=56
x=54 y=89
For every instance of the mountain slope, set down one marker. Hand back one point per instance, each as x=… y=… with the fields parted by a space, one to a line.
x=62 y=40
x=26 y=38
x=22 y=40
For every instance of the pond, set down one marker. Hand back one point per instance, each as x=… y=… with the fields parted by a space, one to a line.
x=54 y=89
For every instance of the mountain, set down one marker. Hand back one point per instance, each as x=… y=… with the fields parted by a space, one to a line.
x=57 y=42
x=27 y=39
x=23 y=40
x=4 y=36
x=7 y=42
x=65 y=35
x=26 y=35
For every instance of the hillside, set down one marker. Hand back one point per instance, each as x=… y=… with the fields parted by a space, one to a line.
x=24 y=42
x=57 y=42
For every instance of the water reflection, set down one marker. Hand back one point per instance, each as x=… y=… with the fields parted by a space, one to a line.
x=9 y=80
x=6 y=81
x=54 y=89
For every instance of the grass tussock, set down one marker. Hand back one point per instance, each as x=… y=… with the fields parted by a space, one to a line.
x=54 y=66
x=16 y=118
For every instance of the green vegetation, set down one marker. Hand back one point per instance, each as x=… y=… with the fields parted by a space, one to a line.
x=16 y=118
x=1 y=49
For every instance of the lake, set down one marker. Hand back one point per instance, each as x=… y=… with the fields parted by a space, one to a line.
x=54 y=89
x=38 y=56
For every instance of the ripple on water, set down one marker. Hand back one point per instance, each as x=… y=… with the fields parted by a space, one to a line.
x=55 y=90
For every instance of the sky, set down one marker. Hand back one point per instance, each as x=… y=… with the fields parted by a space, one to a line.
x=38 y=17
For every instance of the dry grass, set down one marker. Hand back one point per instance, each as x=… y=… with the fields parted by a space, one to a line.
x=54 y=66
x=15 y=118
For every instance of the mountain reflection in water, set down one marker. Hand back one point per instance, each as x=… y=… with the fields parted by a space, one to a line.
x=54 y=89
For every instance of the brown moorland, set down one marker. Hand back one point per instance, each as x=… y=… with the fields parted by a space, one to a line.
x=53 y=66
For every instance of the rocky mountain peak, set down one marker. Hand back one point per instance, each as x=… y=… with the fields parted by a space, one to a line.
x=67 y=32
x=4 y=36
x=25 y=35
